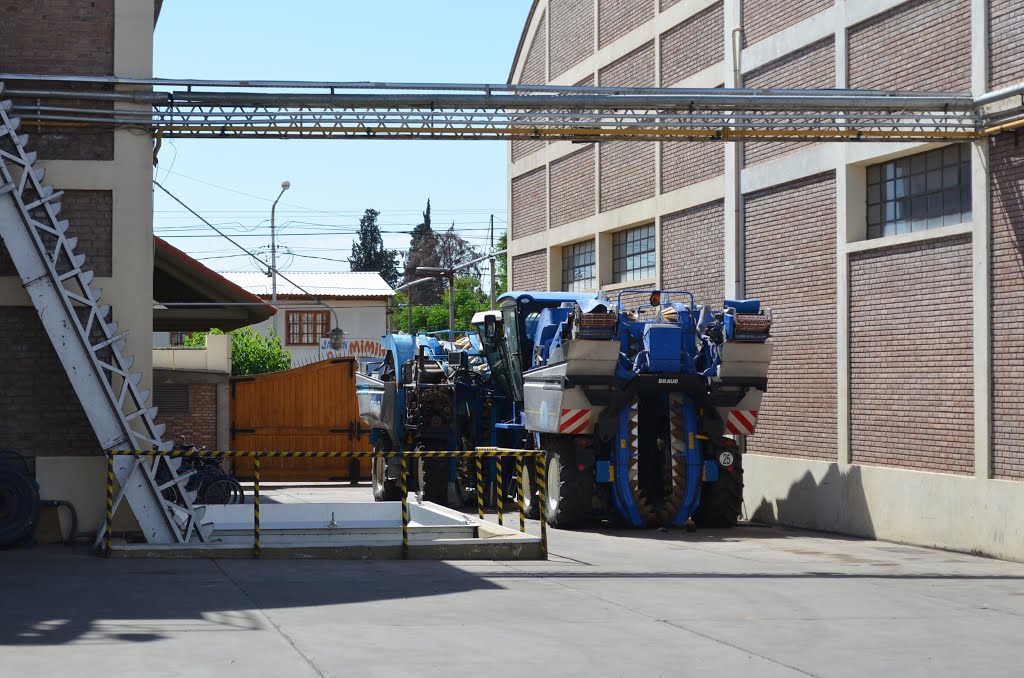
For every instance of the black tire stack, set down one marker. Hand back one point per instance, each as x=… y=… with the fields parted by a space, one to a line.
x=19 y=500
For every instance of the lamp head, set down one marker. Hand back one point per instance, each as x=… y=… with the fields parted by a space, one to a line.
x=337 y=338
x=285 y=185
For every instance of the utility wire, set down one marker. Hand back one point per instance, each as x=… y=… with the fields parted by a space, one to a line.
x=176 y=199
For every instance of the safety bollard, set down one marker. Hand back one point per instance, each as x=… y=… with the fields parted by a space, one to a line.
x=522 y=491
x=542 y=497
x=480 y=487
x=256 y=552
x=500 y=491
x=404 y=488
x=109 y=520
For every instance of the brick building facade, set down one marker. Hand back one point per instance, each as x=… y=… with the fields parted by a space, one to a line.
x=893 y=270
x=106 y=179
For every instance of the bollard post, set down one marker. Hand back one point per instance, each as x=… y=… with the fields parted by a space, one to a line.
x=499 y=490
x=256 y=553
x=522 y=491
x=480 y=487
x=542 y=497
x=109 y=519
x=404 y=488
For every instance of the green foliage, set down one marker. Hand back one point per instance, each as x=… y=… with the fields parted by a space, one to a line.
x=368 y=252
x=251 y=352
x=501 y=267
x=469 y=300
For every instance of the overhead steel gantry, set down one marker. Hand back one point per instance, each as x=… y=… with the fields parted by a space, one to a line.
x=367 y=110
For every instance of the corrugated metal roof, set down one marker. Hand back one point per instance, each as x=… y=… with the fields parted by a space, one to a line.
x=318 y=283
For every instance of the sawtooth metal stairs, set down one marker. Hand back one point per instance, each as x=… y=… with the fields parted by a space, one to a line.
x=90 y=345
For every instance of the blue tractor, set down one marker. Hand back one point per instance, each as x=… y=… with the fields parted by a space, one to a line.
x=429 y=393
x=638 y=409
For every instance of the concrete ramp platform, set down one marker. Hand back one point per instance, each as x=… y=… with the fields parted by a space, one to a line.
x=348 y=531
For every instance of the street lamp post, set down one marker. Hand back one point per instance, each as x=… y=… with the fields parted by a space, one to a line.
x=285 y=185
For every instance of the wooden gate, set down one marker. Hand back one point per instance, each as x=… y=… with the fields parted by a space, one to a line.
x=307 y=409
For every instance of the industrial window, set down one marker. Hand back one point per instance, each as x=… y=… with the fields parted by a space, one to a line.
x=171 y=399
x=633 y=254
x=578 y=267
x=306 y=327
x=920 y=191
x=178 y=338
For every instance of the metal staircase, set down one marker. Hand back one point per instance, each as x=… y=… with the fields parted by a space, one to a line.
x=89 y=345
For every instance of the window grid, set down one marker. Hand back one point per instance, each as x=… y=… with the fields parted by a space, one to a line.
x=918 y=192
x=633 y=256
x=305 y=328
x=578 y=267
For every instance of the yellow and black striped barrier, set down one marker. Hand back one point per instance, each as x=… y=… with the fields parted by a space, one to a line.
x=478 y=454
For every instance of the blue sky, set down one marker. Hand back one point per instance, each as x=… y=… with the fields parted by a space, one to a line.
x=332 y=182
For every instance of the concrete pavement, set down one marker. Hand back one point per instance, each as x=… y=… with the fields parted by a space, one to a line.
x=762 y=601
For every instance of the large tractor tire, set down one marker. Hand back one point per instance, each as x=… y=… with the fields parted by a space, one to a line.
x=570 y=489
x=722 y=502
x=433 y=477
x=531 y=496
x=383 y=488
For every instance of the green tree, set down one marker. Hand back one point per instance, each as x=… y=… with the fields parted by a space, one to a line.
x=501 y=267
x=423 y=251
x=251 y=352
x=369 y=253
x=469 y=300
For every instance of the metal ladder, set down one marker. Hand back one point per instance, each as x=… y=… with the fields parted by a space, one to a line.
x=90 y=346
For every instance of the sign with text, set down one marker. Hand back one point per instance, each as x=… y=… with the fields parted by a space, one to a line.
x=355 y=348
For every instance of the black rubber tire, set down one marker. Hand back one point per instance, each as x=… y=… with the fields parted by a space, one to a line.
x=19 y=507
x=434 y=480
x=570 y=490
x=722 y=502
x=532 y=504
x=383 y=489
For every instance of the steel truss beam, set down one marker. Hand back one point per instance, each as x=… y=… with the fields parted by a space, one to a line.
x=438 y=111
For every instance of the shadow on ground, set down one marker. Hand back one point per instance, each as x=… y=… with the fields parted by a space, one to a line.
x=51 y=596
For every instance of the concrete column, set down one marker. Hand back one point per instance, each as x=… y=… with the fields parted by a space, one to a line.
x=980 y=250
x=850 y=191
x=733 y=231
x=224 y=416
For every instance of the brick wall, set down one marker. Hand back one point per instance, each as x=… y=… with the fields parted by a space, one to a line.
x=1006 y=55
x=534 y=73
x=790 y=240
x=572 y=34
x=618 y=17
x=693 y=45
x=689 y=162
x=530 y=271
x=42 y=415
x=693 y=252
x=90 y=214
x=199 y=426
x=636 y=69
x=911 y=370
x=1006 y=162
x=627 y=167
x=812 y=67
x=627 y=173
x=665 y=4
x=529 y=203
x=763 y=18
x=922 y=45
x=85 y=30
x=572 y=187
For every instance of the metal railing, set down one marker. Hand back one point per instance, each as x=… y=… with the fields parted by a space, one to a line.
x=478 y=455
